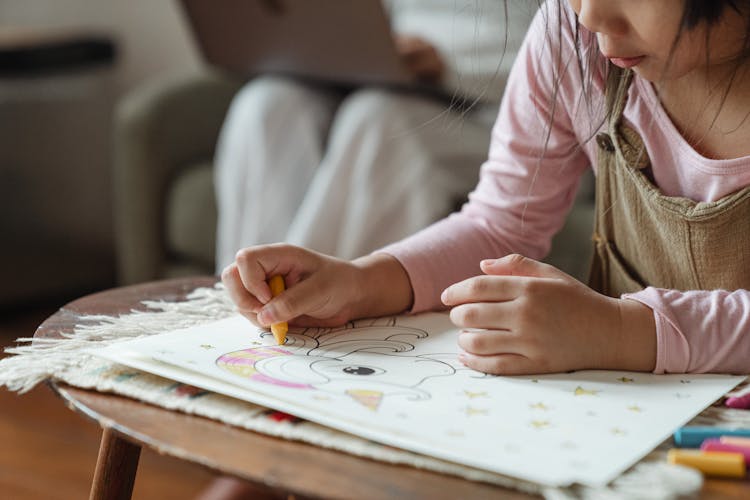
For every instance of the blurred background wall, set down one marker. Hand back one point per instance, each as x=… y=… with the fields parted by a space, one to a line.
x=151 y=34
x=55 y=155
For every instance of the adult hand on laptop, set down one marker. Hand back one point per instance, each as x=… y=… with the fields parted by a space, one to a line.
x=420 y=57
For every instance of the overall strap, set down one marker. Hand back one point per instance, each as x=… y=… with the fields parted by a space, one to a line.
x=645 y=238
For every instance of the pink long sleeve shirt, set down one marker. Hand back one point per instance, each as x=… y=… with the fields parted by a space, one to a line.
x=521 y=201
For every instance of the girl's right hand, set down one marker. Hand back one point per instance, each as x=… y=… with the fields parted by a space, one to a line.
x=320 y=290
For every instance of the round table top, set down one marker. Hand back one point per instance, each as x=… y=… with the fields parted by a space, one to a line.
x=282 y=466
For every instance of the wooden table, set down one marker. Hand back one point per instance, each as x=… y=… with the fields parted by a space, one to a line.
x=278 y=466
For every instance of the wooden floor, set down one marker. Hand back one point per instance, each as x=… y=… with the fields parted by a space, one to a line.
x=49 y=452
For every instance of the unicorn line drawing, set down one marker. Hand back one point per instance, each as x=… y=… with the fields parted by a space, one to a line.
x=366 y=361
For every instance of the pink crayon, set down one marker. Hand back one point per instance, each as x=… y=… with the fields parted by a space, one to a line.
x=718 y=445
x=738 y=441
x=741 y=402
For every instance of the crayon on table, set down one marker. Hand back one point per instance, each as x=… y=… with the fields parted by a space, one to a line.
x=276 y=283
x=711 y=463
x=741 y=401
x=718 y=445
x=692 y=437
x=739 y=441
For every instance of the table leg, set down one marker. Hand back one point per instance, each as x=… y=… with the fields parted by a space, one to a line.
x=115 y=468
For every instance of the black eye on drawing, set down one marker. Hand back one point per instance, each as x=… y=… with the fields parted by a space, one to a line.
x=358 y=370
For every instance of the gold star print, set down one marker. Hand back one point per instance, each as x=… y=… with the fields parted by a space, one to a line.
x=207 y=346
x=625 y=380
x=321 y=398
x=539 y=424
x=455 y=433
x=470 y=412
x=472 y=395
x=539 y=406
x=635 y=408
x=617 y=431
x=255 y=342
x=580 y=391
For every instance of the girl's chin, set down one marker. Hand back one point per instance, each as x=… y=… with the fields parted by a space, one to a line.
x=648 y=73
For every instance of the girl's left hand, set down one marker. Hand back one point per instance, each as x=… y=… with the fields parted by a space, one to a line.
x=523 y=316
x=420 y=57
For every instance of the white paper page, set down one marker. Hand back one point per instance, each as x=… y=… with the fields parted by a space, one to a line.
x=397 y=381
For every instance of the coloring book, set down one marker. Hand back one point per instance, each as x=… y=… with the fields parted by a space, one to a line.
x=397 y=381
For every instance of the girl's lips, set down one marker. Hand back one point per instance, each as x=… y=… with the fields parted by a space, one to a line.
x=626 y=62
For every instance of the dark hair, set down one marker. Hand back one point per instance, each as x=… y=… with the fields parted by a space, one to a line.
x=697 y=11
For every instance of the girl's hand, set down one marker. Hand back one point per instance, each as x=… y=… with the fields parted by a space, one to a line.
x=320 y=290
x=420 y=57
x=525 y=317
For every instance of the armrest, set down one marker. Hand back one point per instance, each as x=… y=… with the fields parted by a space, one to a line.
x=159 y=128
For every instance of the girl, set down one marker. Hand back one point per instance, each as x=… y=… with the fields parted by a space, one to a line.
x=655 y=97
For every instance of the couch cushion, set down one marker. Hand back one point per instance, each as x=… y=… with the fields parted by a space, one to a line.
x=190 y=216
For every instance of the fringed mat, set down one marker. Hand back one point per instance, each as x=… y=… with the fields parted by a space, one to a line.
x=65 y=360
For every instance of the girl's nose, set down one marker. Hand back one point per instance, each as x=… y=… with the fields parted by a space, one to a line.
x=602 y=16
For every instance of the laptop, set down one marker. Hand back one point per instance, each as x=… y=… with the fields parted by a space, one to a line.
x=341 y=41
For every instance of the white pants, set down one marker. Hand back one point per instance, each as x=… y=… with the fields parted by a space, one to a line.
x=343 y=174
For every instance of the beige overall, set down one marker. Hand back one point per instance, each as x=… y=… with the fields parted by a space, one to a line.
x=644 y=238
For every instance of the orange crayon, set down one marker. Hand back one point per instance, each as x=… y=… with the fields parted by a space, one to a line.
x=276 y=283
x=710 y=463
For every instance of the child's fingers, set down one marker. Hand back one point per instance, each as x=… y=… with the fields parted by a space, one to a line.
x=502 y=364
x=258 y=264
x=488 y=342
x=518 y=265
x=483 y=289
x=253 y=272
x=304 y=299
x=246 y=303
x=489 y=315
x=252 y=318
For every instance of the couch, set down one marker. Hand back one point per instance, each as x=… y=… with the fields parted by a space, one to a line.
x=164 y=138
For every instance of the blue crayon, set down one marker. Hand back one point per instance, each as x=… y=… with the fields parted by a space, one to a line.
x=693 y=437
